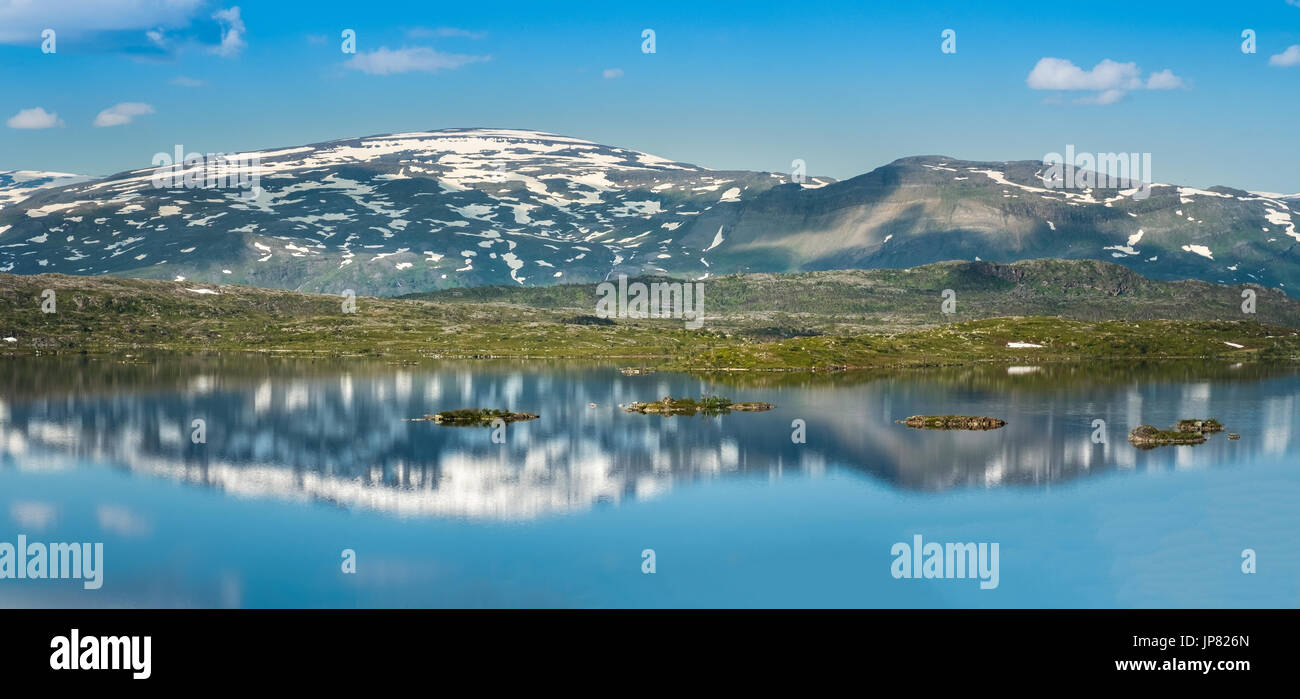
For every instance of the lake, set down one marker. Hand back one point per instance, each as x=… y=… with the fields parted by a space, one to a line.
x=302 y=460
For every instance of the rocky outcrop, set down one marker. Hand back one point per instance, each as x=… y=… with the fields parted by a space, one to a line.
x=953 y=422
x=1185 y=432
x=709 y=405
x=475 y=417
x=1202 y=426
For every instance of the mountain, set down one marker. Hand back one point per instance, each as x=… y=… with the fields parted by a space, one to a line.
x=17 y=185
x=924 y=209
x=415 y=212
x=385 y=214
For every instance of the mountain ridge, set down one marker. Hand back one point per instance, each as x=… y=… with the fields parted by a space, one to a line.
x=410 y=212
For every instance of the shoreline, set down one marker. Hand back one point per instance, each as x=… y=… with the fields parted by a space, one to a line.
x=144 y=355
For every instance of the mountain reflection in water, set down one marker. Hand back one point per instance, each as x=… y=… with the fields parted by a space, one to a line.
x=335 y=431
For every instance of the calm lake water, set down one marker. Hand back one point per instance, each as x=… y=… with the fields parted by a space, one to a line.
x=304 y=459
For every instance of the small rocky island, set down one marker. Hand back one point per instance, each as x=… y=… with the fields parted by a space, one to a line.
x=1202 y=426
x=1185 y=432
x=708 y=405
x=953 y=422
x=474 y=417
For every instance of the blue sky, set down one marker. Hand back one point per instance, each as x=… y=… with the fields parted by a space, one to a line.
x=845 y=86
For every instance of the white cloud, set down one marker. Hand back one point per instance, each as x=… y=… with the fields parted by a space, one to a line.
x=142 y=28
x=1289 y=57
x=122 y=113
x=1110 y=80
x=34 y=118
x=386 y=62
x=184 y=81
x=1061 y=74
x=1164 y=80
x=22 y=22
x=611 y=73
x=232 y=32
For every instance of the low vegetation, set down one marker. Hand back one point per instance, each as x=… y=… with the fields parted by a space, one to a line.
x=477 y=417
x=1210 y=425
x=1148 y=437
x=708 y=405
x=1184 y=432
x=953 y=422
x=113 y=316
x=782 y=306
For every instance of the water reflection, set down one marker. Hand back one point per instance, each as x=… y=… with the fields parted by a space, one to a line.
x=335 y=432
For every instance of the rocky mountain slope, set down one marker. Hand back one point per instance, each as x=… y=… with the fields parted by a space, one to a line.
x=17 y=185
x=422 y=211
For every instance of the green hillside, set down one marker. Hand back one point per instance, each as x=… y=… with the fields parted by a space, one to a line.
x=834 y=320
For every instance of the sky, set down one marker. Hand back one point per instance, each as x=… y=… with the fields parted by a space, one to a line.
x=844 y=86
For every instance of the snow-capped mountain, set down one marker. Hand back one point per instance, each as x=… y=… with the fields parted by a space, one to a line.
x=931 y=208
x=420 y=211
x=17 y=185
x=385 y=214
